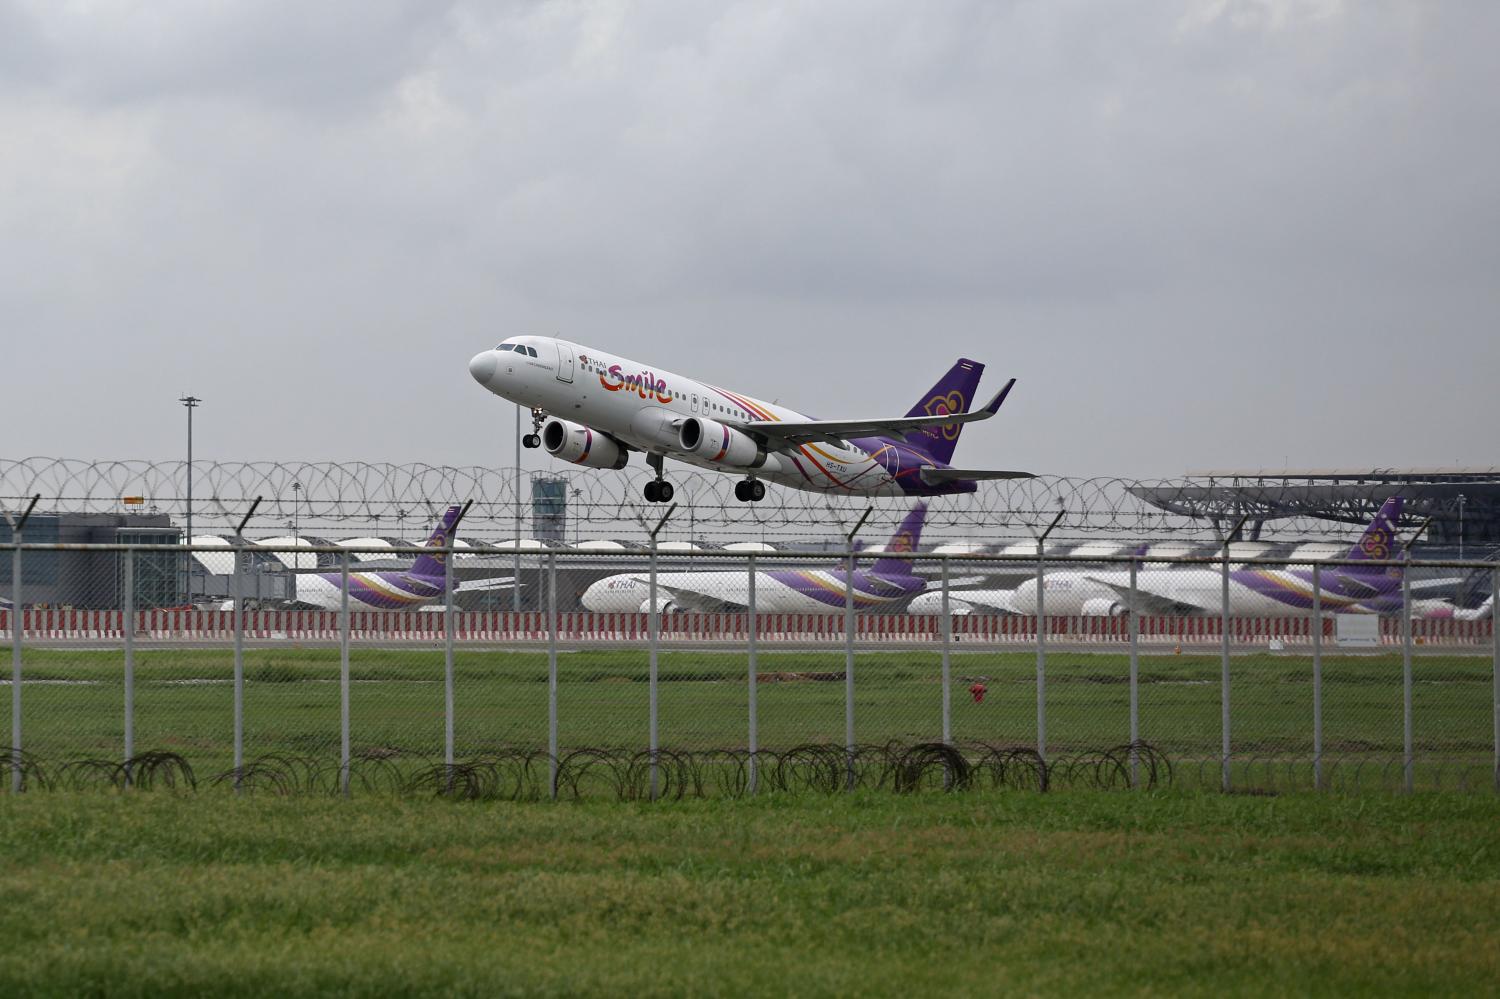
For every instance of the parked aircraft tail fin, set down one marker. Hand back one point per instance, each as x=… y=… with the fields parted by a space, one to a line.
x=1379 y=542
x=953 y=393
x=904 y=540
x=431 y=565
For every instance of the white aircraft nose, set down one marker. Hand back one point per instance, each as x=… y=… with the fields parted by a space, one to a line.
x=482 y=367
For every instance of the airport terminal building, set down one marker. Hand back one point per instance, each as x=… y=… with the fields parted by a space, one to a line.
x=1463 y=504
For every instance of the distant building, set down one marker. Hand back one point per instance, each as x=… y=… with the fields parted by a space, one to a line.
x=95 y=579
x=549 y=508
x=1464 y=503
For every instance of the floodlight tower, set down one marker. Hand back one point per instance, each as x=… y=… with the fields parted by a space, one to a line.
x=191 y=402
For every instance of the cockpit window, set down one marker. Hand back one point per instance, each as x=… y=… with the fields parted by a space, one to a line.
x=531 y=351
x=506 y=346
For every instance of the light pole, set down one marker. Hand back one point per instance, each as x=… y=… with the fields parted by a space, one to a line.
x=296 y=523
x=576 y=493
x=1461 y=499
x=191 y=402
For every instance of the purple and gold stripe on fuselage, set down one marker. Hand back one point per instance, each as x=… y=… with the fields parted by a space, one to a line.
x=829 y=587
x=1295 y=591
x=389 y=590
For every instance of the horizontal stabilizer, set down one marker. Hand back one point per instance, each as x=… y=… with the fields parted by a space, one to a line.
x=835 y=431
x=937 y=476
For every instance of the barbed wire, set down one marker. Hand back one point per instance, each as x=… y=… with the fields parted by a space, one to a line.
x=381 y=499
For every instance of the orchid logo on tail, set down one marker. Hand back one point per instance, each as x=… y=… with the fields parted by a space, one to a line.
x=1377 y=543
x=942 y=405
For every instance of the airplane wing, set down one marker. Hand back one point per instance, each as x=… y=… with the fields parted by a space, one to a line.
x=476 y=585
x=993 y=600
x=1145 y=602
x=690 y=599
x=936 y=476
x=836 y=431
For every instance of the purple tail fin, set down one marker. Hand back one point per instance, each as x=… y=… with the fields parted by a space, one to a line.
x=431 y=566
x=1379 y=540
x=954 y=393
x=904 y=540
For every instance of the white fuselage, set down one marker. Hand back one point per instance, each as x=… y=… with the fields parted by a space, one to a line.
x=962 y=602
x=643 y=406
x=1074 y=593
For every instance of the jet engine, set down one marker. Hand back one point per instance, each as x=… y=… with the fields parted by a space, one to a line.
x=712 y=441
x=1103 y=607
x=582 y=446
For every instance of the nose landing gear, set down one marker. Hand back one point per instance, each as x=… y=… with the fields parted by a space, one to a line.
x=749 y=490
x=658 y=490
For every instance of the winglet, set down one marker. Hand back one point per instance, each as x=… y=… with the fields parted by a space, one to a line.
x=994 y=405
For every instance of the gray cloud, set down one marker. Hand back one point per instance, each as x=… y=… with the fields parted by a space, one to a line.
x=1202 y=233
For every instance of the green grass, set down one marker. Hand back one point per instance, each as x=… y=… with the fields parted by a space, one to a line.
x=1069 y=894
x=184 y=704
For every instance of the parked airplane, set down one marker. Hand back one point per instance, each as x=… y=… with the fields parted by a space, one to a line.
x=886 y=585
x=594 y=408
x=1199 y=590
x=404 y=589
x=1252 y=591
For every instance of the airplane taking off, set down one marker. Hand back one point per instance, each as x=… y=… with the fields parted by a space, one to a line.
x=392 y=589
x=593 y=408
x=886 y=584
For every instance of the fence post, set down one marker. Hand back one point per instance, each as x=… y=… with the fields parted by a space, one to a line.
x=1224 y=776
x=239 y=662
x=1408 y=772
x=1041 y=652
x=654 y=624
x=850 y=746
x=344 y=628
x=653 y=621
x=17 y=626
x=947 y=661
x=551 y=674
x=1495 y=665
x=1317 y=674
x=1135 y=680
x=754 y=636
x=849 y=743
x=448 y=658
x=128 y=625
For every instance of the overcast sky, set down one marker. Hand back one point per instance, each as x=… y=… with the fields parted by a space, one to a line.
x=1202 y=233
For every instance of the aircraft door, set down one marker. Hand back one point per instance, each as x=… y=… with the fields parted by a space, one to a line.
x=565 y=361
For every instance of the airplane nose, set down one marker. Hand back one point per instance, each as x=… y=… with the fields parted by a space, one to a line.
x=482 y=367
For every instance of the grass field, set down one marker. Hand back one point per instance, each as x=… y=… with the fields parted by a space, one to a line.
x=1002 y=893
x=183 y=703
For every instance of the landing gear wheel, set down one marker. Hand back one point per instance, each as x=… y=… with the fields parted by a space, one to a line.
x=664 y=492
x=749 y=490
x=757 y=491
x=651 y=491
x=742 y=491
x=531 y=441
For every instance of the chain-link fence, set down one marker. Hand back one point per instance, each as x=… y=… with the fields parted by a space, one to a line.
x=663 y=673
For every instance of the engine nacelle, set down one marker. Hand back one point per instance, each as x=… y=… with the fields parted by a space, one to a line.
x=713 y=441
x=1103 y=607
x=582 y=446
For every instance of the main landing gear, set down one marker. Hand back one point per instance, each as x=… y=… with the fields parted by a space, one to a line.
x=534 y=439
x=750 y=490
x=658 y=490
